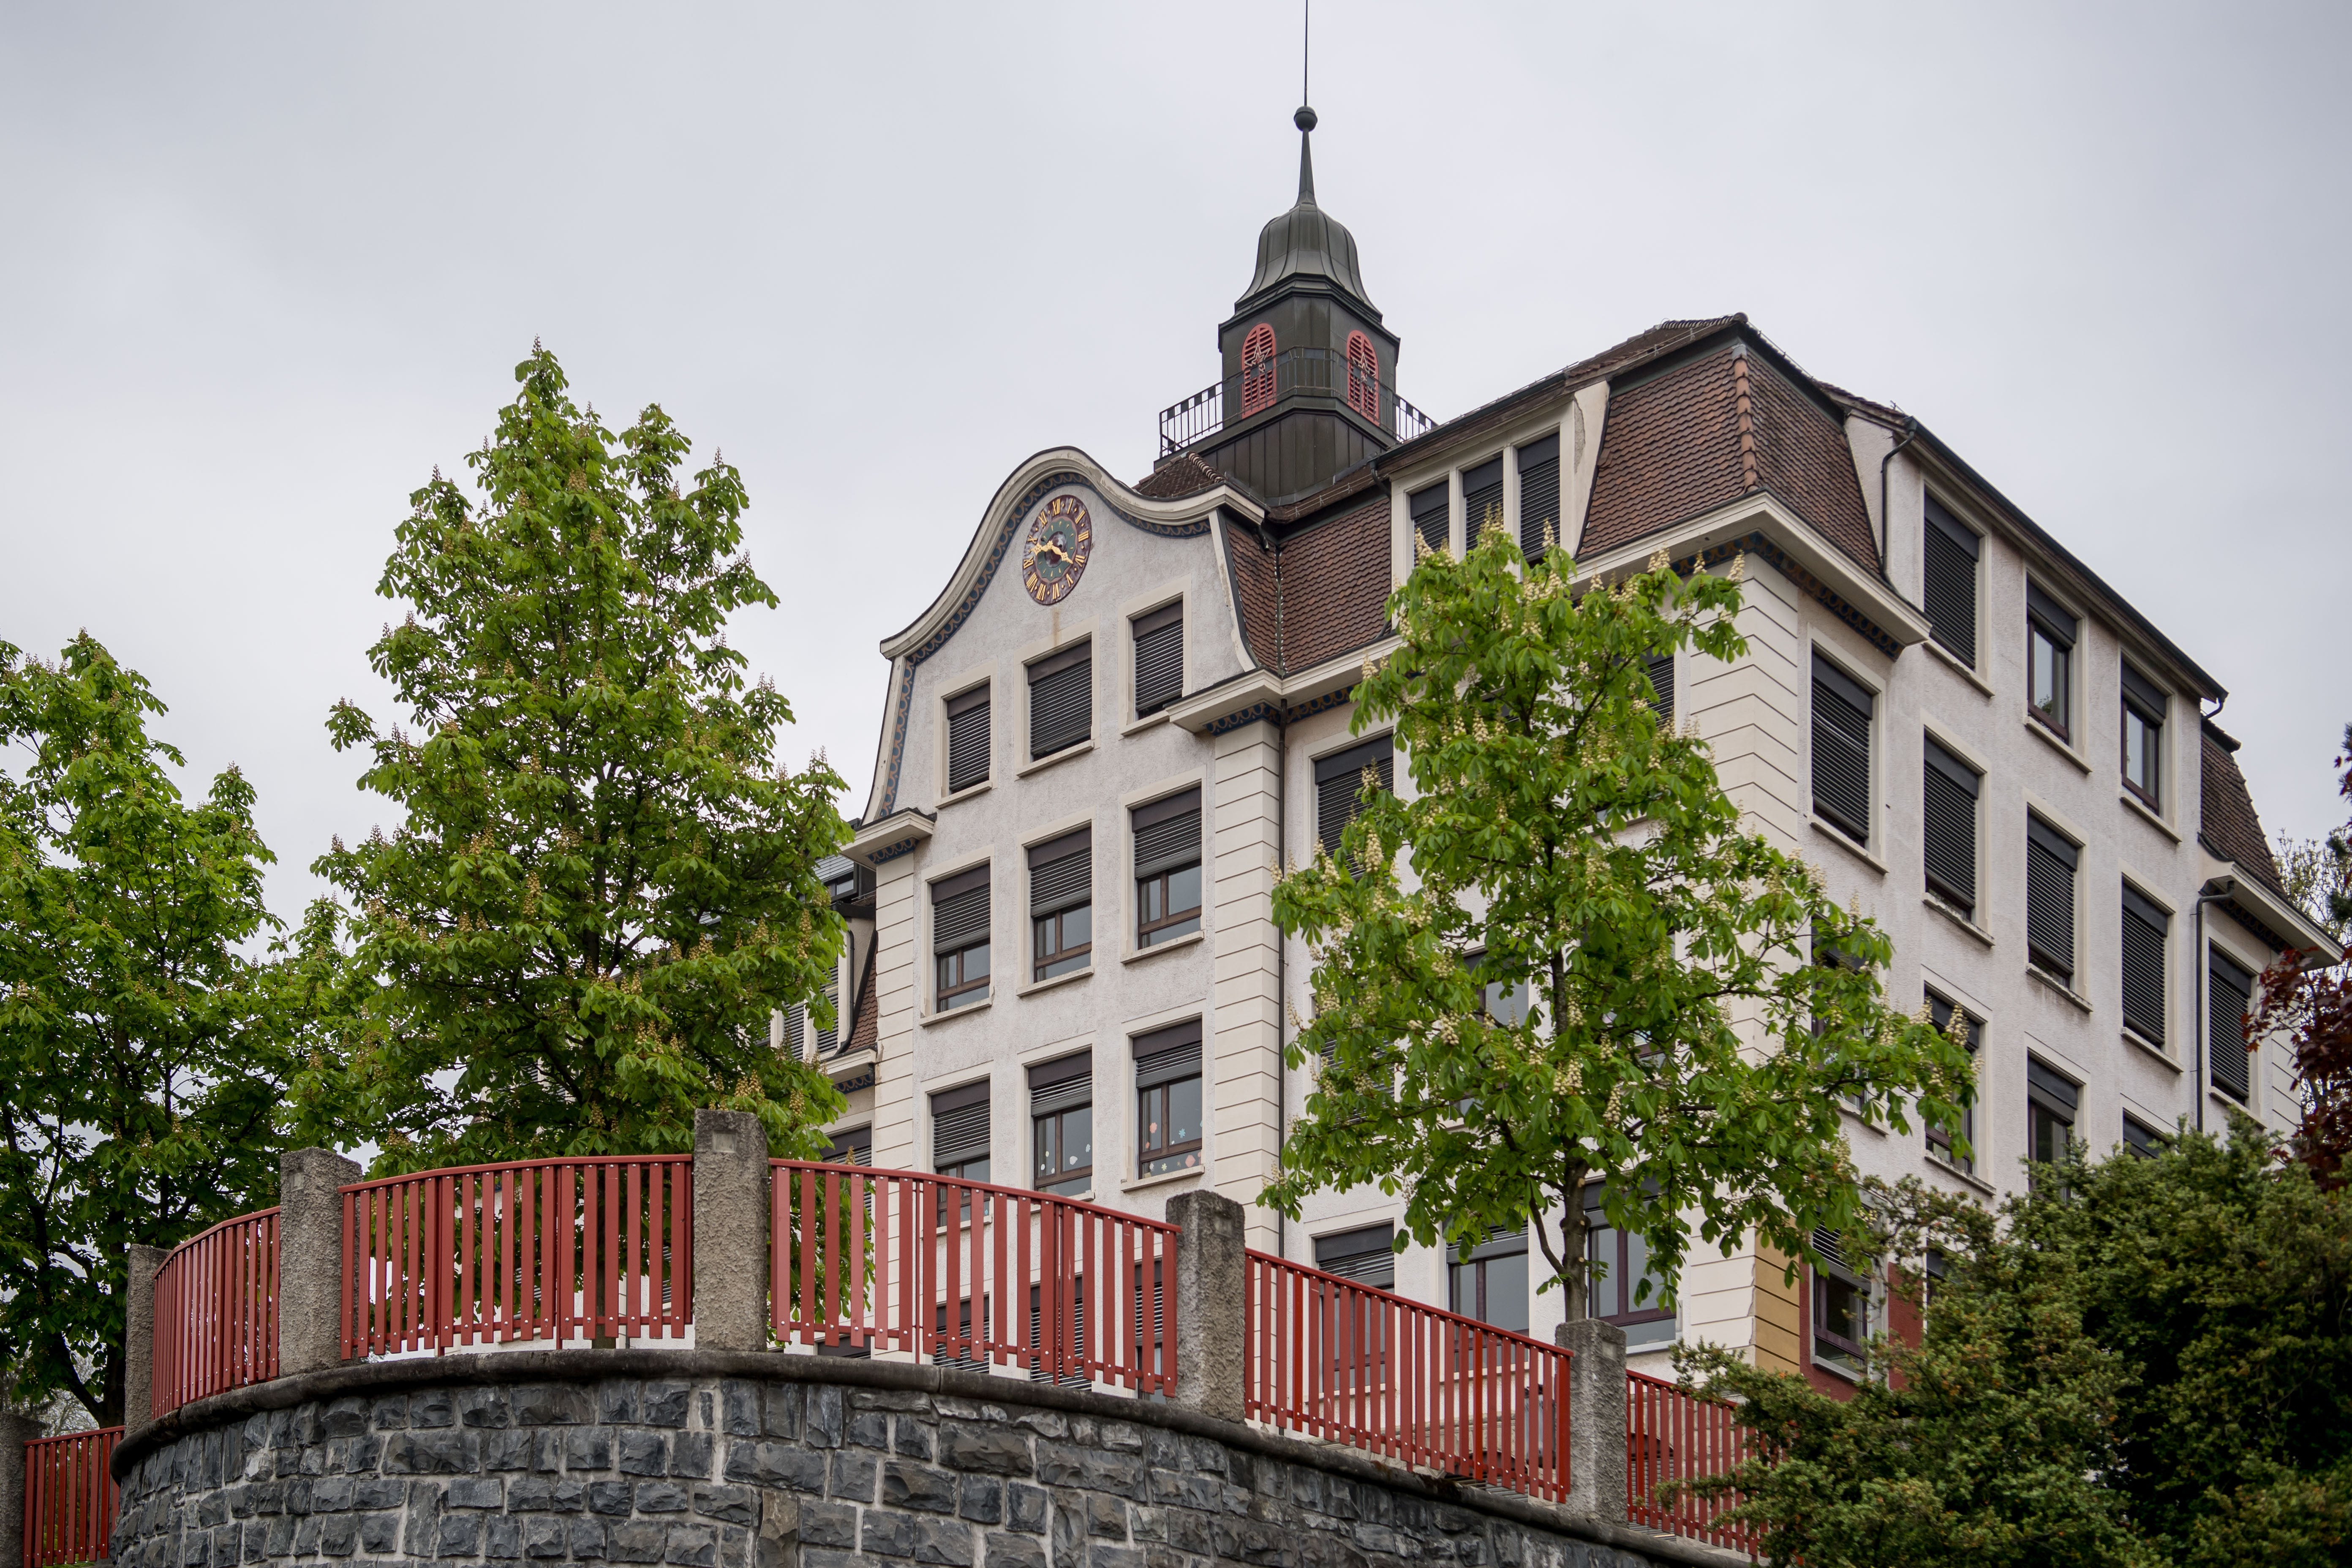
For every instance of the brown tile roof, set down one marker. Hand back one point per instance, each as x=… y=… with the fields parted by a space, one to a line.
x=1319 y=593
x=2227 y=822
x=1179 y=476
x=1256 y=594
x=865 y=1028
x=1801 y=456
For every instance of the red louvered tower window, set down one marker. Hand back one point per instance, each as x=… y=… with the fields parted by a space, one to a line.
x=1257 y=369
x=1363 y=377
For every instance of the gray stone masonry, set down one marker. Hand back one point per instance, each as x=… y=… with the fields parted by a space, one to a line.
x=143 y=1264
x=1596 y=1417
x=16 y=1431
x=730 y=1231
x=310 y=1257
x=1212 y=1303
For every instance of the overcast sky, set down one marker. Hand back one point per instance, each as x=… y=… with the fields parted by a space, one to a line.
x=261 y=267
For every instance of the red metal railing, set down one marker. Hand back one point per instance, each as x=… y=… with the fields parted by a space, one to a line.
x=533 y=1250
x=217 y=1312
x=69 y=1497
x=1345 y=1361
x=968 y=1273
x=1672 y=1434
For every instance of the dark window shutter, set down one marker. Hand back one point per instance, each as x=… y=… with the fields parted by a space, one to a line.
x=2050 y=863
x=2055 y=619
x=1431 y=516
x=795 y=1037
x=1063 y=883
x=1540 y=496
x=1061 y=701
x=1842 y=709
x=960 y=1125
x=855 y=1147
x=1062 y=1085
x=1166 y=1056
x=1482 y=494
x=828 y=1039
x=2057 y=1095
x=1950 y=583
x=959 y=910
x=1167 y=834
x=2145 y=695
x=1662 y=687
x=967 y=740
x=2143 y=928
x=1951 y=846
x=1339 y=782
x=1158 y=659
x=2231 y=991
x=2141 y=1139
x=1365 y=1255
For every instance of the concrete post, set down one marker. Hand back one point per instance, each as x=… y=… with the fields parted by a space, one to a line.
x=310 y=1258
x=730 y=1231
x=1212 y=1303
x=139 y=1338
x=1596 y=1417
x=16 y=1431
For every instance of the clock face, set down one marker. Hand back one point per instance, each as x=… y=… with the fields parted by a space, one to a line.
x=1060 y=536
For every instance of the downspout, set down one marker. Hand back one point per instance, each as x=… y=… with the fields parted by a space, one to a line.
x=1281 y=945
x=1912 y=432
x=2220 y=888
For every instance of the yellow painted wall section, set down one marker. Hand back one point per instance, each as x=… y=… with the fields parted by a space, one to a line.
x=1779 y=1319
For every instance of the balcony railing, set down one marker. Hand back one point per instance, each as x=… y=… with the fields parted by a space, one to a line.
x=1203 y=415
x=69 y=1497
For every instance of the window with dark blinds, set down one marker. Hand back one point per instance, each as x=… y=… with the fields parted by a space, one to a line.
x=1339 y=784
x=1433 y=521
x=960 y=1126
x=968 y=739
x=1159 y=658
x=2231 y=991
x=2049 y=861
x=826 y=1040
x=1662 y=687
x=855 y=1147
x=1538 y=496
x=1062 y=873
x=1167 y=834
x=1482 y=499
x=1061 y=1084
x=2144 y=925
x=1061 y=701
x=1365 y=1255
x=1950 y=841
x=1842 y=709
x=960 y=908
x=1950 y=583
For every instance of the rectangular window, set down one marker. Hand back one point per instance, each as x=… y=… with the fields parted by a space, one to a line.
x=959 y=937
x=2144 y=925
x=1940 y=1140
x=2230 y=988
x=1339 y=785
x=1061 y=701
x=827 y=1040
x=855 y=1147
x=1538 y=496
x=1168 y=1098
x=1167 y=869
x=1662 y=687
x=1482 y=499
x=1159 y=658
x=1622 y=1259
x=1061 y=903
x=2141 y=1139
x=2050 y=632
x=2050 y=1103
x=960 y=1132
x=1950 y=580
x=1367 y=1255
x=1433 y=516
x=1062 y=1124
x=967 y=740
x=1490 y=1281
x=1842 y=710
x=2049 y=860
x=1948 y=842
x=1841 y=1308
x=2144 y=709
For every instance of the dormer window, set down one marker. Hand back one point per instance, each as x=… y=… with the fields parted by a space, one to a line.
x=1257 y=369
x=1363 y=377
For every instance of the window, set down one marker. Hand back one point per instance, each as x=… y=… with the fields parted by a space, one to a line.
x=959 y=937
x=855 y=1147
x=1622 y=1267
x=1507 y=1004
x=1061 y=701
x=2049 y=860
x=2050 y=1102
x=967 y=740
x=1257 y=369
x=1168 y=1098
x=2143 y=736
x=2144 y=925
x=2050 y=632
x=2141 y=1139
x=1940 y=1140
x=1662 y=688
x=960 y=1132
x=1167 y=869
x=1538 y=496
x=1367 y=1255
x=1340 y=783
x=1490 y=1281
x=1482 y=498
x=1841 y=1309
x=1948 y=842
x=1842 y=710
x=2231 y=987
x=1363 y=377
x=1949 y=579
x=1159 y=658
x=1062 y=1124
x=828 y=1039
x=1433 y=516
x=1061 y=904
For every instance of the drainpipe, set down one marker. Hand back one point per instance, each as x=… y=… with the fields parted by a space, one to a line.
x=2220 y=888
x=1912 y=432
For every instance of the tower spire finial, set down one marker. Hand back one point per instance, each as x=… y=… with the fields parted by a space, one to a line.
x=1304 y=118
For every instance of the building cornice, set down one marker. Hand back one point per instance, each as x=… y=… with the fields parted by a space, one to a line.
x=1256 y=694
x=883 y=841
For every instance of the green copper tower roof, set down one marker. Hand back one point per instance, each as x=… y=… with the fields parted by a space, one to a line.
x=1307 y=242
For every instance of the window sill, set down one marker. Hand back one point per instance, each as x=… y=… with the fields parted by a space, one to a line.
x=1939 y=1163
x=2148 y=813
x=2227 y=1101
x=1957 y=919
x=967 y=1010
x=2131 y=1037
x=1138 y=1184
x=2050 y=738
x=1952 y=662
x=1188 y=939
x=965 y=794
x=1036 y=985
x=842 y=1064
x=1039 y=764
x=1835 y=1369
x=1136 y=726
x=2036 y=972
x=1845 y=842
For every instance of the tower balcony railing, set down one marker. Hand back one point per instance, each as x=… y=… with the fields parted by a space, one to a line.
x=1304 y=370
